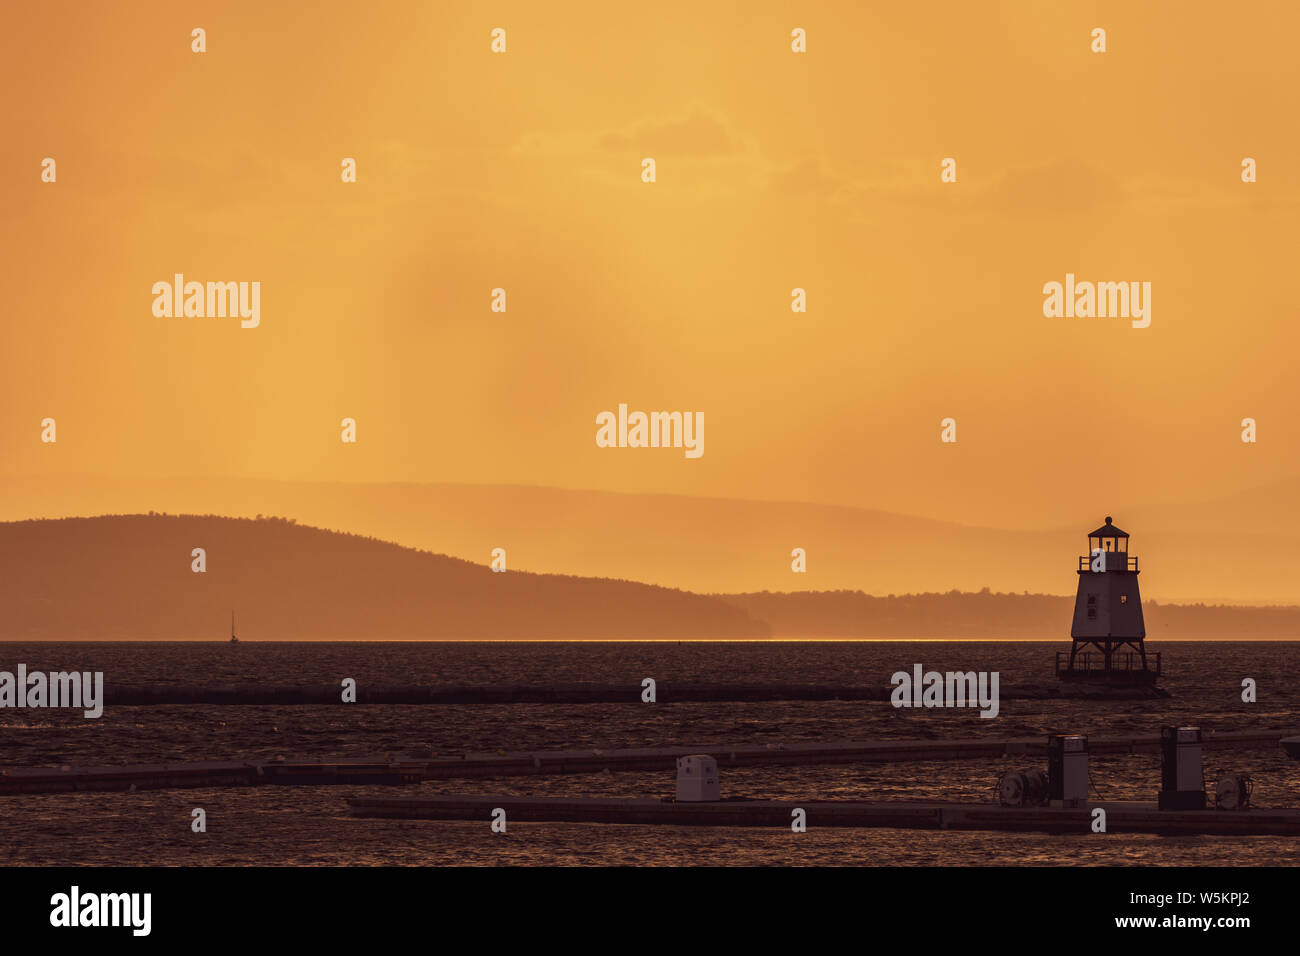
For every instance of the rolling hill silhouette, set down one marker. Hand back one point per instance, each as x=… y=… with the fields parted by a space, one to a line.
x=129 y=577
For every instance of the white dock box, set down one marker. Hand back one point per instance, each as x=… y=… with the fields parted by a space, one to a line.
x=1067 y=770
x=1190 y=773
x=1182 y=780
x=697 y=778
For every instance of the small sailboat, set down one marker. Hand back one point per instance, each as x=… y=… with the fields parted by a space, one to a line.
x=233 y=639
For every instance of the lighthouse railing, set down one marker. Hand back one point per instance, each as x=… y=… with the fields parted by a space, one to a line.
x=1091 y=661
x=1085 y=562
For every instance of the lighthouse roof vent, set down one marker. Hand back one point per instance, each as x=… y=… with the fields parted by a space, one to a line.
x=1108 y=530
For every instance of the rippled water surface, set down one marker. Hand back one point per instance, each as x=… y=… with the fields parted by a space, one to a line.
x=308 y=825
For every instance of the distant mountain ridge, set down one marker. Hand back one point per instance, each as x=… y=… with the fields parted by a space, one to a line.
x=130 y=577
x=716 y=545
x=986 y=615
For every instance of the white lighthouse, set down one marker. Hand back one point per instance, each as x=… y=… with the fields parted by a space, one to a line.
x=1108 y=615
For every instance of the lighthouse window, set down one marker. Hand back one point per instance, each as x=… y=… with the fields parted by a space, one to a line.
x=1123 y=599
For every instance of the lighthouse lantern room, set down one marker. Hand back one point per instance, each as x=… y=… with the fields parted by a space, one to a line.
x=1108 y=616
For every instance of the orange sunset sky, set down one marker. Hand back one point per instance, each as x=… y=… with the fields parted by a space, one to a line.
x=775 y=170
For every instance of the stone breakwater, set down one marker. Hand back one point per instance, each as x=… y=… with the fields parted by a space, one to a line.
x=666 y=692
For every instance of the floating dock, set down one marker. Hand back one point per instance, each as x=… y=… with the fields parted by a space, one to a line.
x=528 y=763
x=1120 y=817
x=398 y=770
x=666 y=692
x=210 y=774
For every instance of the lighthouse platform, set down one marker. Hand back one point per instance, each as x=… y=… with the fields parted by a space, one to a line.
x=1126 y=670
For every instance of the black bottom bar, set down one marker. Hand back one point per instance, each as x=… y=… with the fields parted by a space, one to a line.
x=397 y=908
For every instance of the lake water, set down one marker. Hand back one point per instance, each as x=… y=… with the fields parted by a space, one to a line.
x=310 y=825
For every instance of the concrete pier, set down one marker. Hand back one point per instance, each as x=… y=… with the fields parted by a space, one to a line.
x=529 y=763
x=1120 y=817
x=413 y=769
x=625 y=693
x=207 y=774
